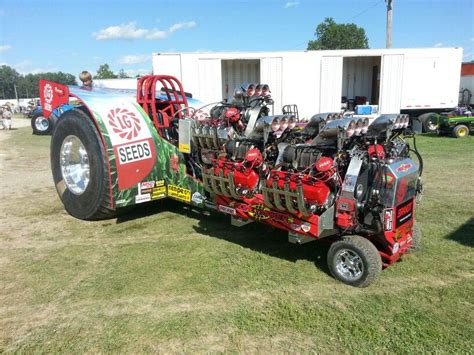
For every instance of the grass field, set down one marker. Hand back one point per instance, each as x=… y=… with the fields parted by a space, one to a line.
x=164 y=278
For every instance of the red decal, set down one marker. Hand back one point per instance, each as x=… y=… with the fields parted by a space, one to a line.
x=134 y=162
x=404 y=167
x=124 y=123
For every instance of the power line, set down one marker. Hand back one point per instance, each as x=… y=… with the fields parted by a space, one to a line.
x=365 y=10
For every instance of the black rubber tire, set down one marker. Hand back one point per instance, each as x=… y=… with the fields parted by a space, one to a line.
x=425 y=121
x=94 y=203
x=52 y=120
x=367 y=252
x=461 y=131
x=416 y=239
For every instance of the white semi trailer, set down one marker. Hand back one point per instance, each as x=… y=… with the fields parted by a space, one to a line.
x=416 y=81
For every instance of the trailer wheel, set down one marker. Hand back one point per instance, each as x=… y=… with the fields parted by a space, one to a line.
x=79 y=167
x=355 y=261
x=429 y=121
x=460 y=131
x=416 y=239
x=41 y=125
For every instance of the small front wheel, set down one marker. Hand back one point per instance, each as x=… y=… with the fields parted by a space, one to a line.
x=460 y=131
x=355 y=261
x=41 y=125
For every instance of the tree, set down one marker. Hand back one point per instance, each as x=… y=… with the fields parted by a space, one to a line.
x=122 y=74
x=104 y=72
x=8 y=78
x=27 y=85
x=332 y=35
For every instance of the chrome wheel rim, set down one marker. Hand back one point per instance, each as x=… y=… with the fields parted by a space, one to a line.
x=75 y=166
x=41 y=123
x=349 y=264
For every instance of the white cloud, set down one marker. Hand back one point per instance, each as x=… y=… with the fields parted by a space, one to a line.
x=125 y=31
x=439 y=45
x=291 y=4
x=134 y=59
x=181 y=25
x=156 y=34
x=5 y=48
x=130 y=31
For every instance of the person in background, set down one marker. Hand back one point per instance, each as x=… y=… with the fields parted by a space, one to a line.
x=7 y=118
x=86 y=79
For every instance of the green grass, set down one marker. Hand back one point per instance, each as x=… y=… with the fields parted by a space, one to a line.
x=165 y=278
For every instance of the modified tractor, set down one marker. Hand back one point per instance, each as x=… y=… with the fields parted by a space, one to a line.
x=347 y=179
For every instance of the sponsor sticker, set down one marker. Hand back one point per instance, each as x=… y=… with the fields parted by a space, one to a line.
x=184 y=148
x=388 y=219
x=147 y=185
x=198 y=198
x=259 y=212
x=136 y=151
x=125 y=123
x=179 y=193
x=395 y=248
x=227 y=210
x=403 y=167
x=159 y=191
x=306 y=227
x=404 y=212
x=142 y=198
x=48 y=97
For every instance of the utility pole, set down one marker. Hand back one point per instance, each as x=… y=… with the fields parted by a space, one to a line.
x=389 y=23
x=16 y=94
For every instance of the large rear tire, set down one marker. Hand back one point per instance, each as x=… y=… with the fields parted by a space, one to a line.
x=80 y=167
x=429 y=121
x=355 y=261
x=41 y=125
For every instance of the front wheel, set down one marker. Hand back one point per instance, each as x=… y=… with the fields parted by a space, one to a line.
x=460 y=131
x=355 y=261
x=80 y=167
x=41 y=125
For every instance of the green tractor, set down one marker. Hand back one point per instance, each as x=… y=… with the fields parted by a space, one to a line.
x=458 y=123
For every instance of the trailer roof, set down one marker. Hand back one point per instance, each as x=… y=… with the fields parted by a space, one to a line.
x=339 y=52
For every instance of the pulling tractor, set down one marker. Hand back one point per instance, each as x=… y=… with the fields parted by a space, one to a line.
x=337 y=177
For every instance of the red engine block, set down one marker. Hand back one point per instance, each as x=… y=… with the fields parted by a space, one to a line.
x=315 y=191
x=245 y=173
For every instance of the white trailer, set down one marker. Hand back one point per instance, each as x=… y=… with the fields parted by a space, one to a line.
x=413 y=81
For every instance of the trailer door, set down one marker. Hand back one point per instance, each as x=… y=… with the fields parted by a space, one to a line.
x=391 y=83
x=271 y=74
x=210 y=78
x=331 y=84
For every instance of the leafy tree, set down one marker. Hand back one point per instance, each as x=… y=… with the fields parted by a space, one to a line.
x=27 y=85
x=332 y=35
x=122 y=74
x=8 y=77
x=104 y=72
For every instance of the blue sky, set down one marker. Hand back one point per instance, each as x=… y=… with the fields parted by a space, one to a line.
x=70 y=35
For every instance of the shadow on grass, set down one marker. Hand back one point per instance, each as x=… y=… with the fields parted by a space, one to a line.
x=255 y=236
x=464 y=234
